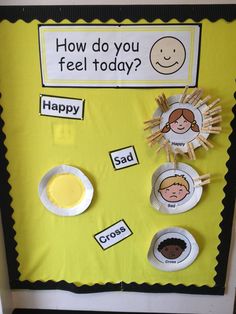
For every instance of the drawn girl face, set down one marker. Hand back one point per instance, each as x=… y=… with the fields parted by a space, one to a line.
x=181 y=125
x=171 y=251
x=174 y=193
x=180 y=121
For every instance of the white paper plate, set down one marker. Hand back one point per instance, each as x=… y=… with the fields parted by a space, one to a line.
x=173 y=249
x=183 y=197
x=72 y=211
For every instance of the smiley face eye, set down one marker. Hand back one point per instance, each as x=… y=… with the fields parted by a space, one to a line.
x=161 y=50
x=173 y=50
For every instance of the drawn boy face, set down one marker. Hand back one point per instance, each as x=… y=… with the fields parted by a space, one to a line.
x=174 y=193
x=167 y=55
x=181 y=125
x=171 y=251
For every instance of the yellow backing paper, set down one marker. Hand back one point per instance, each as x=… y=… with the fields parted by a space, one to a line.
x=52 y=247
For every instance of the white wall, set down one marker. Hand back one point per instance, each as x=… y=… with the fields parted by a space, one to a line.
x=5 y=293
x=117 y=301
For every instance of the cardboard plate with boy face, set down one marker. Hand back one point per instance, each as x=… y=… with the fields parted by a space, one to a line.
x=175 y=189
x=172 y=249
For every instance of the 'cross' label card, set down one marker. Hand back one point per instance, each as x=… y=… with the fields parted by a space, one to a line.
x=113 y=234
x=124 y=157
x=53 y=106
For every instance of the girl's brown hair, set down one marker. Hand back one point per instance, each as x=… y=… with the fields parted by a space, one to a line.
x=176 y=114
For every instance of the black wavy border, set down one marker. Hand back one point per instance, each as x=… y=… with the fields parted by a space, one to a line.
x=229 y=204
x=119 y=12
x=7 y=210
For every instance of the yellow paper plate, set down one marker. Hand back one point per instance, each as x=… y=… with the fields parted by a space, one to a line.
x=65 y=191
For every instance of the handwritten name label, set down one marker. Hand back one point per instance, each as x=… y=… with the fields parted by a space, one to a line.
x=113 y=234
x=124 y=157
x=53 y=106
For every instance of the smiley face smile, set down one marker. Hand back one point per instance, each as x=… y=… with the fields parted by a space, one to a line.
x=167 y=66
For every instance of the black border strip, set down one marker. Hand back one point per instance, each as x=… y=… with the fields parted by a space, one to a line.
x=130 y=287
x=229 y=204
x=63 y=285
x=7 y=210
x=119 y=12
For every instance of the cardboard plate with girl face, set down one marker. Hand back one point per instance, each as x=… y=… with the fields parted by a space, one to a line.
x=181 y=124
x=175 y=188
x=172 y=249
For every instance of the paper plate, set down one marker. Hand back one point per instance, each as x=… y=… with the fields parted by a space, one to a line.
x=172 y=249
x=65 y=191
x=175 y=189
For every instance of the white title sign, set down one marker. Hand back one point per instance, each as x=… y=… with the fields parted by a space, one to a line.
x=53 y=106
x=119 y=55
x=113 y=234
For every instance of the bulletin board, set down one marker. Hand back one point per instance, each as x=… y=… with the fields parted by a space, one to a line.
x=91 y=155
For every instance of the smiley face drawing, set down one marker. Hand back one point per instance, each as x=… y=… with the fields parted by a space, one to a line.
x=167 y=55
